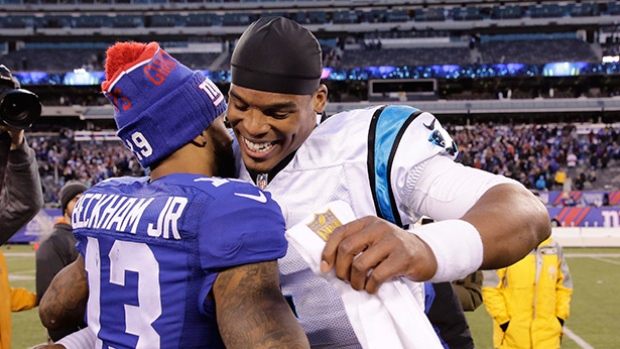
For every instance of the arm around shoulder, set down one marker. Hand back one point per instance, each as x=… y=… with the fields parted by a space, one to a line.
x=511 y=222
x=64 y=302
x=510 y=219
x=251 y=311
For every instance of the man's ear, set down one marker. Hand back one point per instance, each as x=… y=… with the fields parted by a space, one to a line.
x=201 y=139
x=320 y=99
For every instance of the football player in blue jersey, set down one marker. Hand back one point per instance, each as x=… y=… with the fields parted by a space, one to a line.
x=181 y=258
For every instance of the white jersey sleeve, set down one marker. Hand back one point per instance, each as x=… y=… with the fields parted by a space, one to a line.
x=424 y=178
x=447 y=190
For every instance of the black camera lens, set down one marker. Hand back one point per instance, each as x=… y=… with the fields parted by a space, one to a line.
x=19 y=108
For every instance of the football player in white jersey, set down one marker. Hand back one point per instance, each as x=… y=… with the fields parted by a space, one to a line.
x=393 y=162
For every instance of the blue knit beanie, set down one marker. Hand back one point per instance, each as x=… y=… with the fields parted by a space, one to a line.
x=159 y=104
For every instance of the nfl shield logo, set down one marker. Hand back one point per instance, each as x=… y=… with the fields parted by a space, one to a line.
x=324 y=224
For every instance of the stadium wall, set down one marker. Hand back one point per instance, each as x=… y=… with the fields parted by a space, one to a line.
x=587 y=237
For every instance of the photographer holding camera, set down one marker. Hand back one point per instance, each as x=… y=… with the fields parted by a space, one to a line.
x=21 y=196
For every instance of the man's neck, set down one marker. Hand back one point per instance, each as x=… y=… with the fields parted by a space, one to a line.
x=274 y=171
x=183 y=160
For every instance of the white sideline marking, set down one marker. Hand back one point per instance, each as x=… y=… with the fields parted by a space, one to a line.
x=29 y=275
x=13 y=277
x=606 y=260
x=18 y=254
x=580 y=342
x=592 y=255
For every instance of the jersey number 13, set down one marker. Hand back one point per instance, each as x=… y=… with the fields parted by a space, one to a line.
x=126 y=256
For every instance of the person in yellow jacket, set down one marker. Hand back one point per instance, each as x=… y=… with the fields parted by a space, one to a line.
x=15 y=299
x=529 y=300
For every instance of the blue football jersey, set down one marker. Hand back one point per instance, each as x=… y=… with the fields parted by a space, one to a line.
x=152 y=252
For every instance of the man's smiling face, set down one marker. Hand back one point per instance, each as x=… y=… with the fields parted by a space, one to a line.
x=271 y=126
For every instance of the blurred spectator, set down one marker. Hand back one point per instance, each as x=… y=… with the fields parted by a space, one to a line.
x=469 y=290
x=62 y=159
x=560 y=177
x=58 y=249
x=529 y=301
x=571 y=160
x=541 y=183
x=591 y=177
x=580 y=181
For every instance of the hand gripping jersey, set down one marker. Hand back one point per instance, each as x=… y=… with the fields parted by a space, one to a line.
x=152 y=252
x=392 y=160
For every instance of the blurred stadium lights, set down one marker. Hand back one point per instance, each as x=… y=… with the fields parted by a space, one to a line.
x=448 y=71
x=611 y=59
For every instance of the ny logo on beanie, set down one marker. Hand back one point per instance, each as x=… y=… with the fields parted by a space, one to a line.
x=214 y=93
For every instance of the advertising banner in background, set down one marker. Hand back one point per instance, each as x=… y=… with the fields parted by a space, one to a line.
x=38 y=227
x=580 y=198
x=607 y=217
x=561 y=216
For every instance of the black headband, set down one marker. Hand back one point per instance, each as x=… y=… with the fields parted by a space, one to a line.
x=277 y=55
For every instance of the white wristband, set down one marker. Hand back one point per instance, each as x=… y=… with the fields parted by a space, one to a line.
x=457 y=246
x=82 y=339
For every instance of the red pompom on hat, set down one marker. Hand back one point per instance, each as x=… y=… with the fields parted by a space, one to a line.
x=124 y=55
x=159 y=104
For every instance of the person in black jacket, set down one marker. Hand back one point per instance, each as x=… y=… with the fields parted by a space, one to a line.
x=469 y=290
x=21 y=194
x=21 y=198
x=58 y=250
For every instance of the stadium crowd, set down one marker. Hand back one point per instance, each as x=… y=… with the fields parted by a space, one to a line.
x=61 y=159
x=542 y=157
x=539 y=156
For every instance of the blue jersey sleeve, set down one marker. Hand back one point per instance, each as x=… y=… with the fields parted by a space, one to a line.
x=245 y=226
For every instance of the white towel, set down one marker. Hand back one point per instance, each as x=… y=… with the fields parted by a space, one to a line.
x=393 y=318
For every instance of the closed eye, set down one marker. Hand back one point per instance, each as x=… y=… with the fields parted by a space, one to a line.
x=278 y=115
x=241 y=107
x=279 y=112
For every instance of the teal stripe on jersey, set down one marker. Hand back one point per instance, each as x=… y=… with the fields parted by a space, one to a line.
x=387 y=128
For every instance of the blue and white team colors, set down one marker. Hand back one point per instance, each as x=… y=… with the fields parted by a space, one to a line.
x=153 y=251
x=393 y=161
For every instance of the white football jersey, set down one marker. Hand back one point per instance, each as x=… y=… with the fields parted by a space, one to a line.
x=396 y=162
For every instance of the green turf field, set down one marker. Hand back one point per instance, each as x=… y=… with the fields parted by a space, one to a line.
x=592 y=324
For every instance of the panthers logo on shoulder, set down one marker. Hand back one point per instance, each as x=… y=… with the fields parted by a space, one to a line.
x=441 y=138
